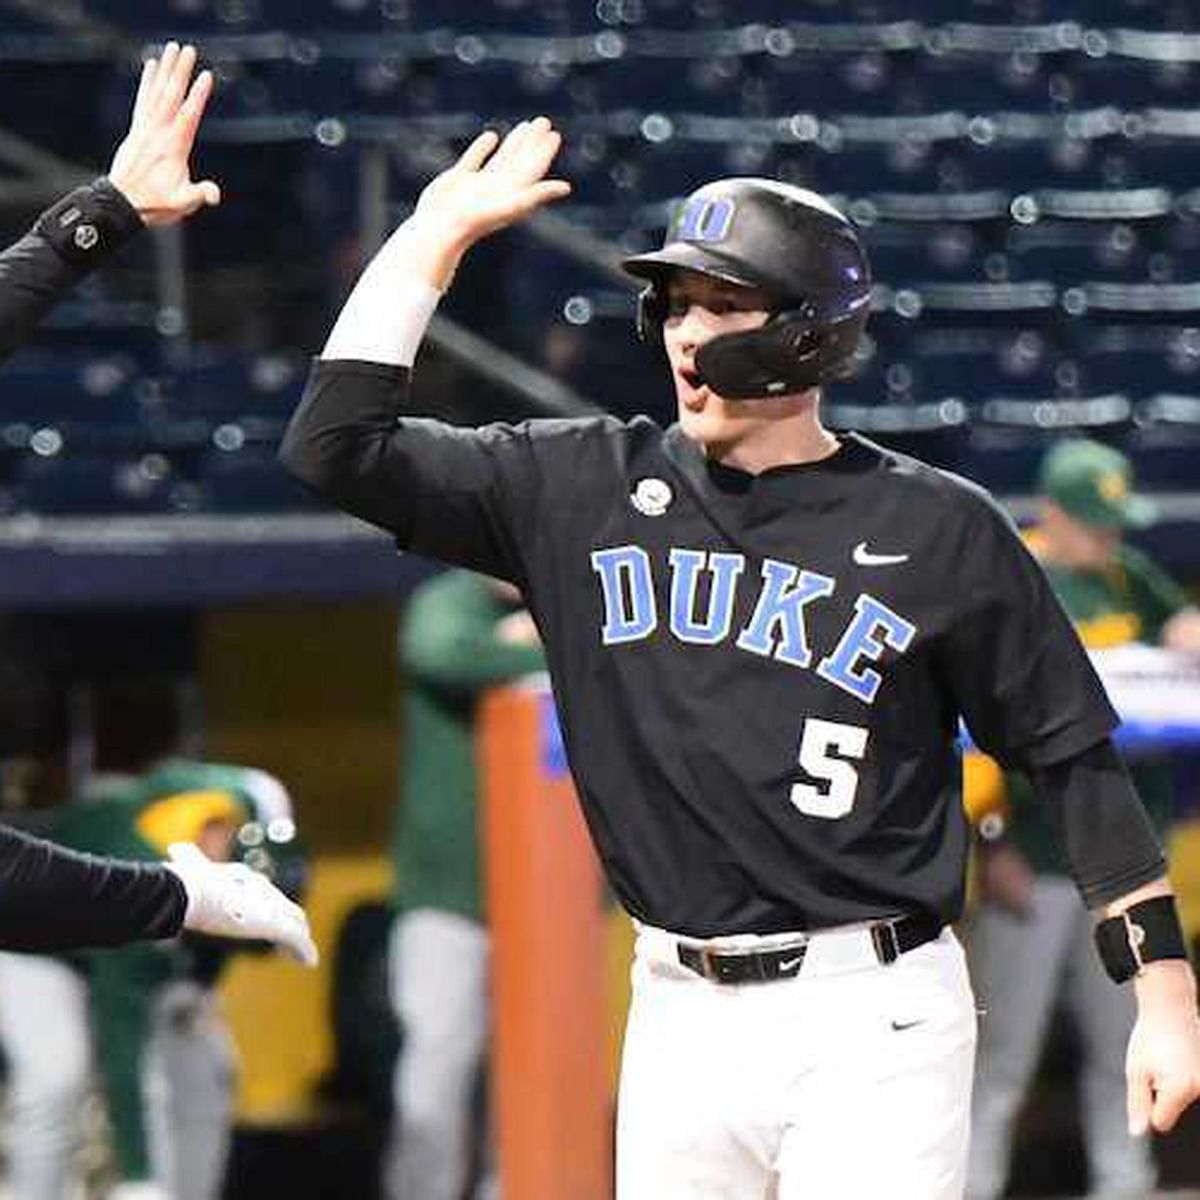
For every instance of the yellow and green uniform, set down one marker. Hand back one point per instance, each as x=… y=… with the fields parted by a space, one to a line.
x=137 y=818
x=1129 y=602
x=452 y=655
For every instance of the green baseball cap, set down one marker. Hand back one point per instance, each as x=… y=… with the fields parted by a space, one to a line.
x=1094 y=484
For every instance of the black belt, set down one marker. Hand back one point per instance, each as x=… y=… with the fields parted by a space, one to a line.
x=891 y=939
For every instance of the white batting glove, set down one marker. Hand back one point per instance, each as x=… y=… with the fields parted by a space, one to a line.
x=230 y=900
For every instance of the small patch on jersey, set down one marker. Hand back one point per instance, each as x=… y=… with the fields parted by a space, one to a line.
x=651 y=497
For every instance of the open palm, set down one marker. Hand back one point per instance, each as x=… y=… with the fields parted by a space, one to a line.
x=151 y=165
x=495 y=183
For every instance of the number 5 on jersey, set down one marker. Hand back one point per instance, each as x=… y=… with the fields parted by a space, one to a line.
x=824 y=748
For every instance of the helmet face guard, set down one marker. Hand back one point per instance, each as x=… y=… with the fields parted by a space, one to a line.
x=792 y=352
x=791 y=244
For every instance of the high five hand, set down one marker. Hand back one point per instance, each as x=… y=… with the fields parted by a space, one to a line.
x=494 y=184
x=151 y=165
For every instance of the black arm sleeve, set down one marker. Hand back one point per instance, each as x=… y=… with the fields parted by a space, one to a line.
x=70 y=239
x=55 y=899
x=483 y=497
x=467 y=496
x=1013 y=661
x=1106 y=837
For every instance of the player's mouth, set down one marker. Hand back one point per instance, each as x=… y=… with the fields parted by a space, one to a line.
x=694 y=392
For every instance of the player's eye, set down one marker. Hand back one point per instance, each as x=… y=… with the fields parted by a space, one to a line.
x=678 y=306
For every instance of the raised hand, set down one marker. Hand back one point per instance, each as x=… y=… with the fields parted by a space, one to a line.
x=494 y=184
x=150 y=166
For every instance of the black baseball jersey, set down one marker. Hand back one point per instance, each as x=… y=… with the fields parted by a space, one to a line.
x=759 y=678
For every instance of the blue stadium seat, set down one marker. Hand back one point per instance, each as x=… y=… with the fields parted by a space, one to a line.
x=489 y=16
x=1165 y=441
x=979 y=302
x=69 y=484
x=250 y=479
x=1133 y=83
x=1024 y=166
x=713 y=86
x=1168 y=303
x=903 y=253
x=220 y=386
x=868 y=83
x=1160 y=162
x=974 y=364
x=858 y=170
x=89 y=403
x=1142 y=360
x=1004 y=461
x=988 y=83
x=1008 y=438
x=180 y=20
x=1073 y=260
x=232 y=401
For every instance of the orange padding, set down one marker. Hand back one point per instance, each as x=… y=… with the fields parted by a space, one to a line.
x=553 y=1104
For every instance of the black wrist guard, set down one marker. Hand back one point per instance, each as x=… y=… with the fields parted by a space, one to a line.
x=1143 y=933
x=88 y=224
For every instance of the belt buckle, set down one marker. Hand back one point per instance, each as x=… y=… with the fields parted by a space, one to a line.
x=886 y=942
x=714 y=963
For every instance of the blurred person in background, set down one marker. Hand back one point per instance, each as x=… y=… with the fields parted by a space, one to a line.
x=462 y=635
x=146 y=1015
x=1028 y=942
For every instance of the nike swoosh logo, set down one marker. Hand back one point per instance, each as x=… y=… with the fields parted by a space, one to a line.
x=786 y=964
x=900 y=1026
x=864 y=558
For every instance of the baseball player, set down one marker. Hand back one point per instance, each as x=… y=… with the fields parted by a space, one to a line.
x=53 y=899
x=462 y=635
x=1024 y=947
x=762 y=637
x=146 y=1013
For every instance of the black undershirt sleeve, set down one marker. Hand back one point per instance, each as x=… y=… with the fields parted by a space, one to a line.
x=1013 y=660
x=70 y=239
x=461 y=495
x=52 y=898
x=1101 y=824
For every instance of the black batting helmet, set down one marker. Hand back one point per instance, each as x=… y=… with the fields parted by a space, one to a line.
x=795 y=246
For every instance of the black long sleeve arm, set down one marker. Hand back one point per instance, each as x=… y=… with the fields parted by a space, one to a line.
x=69 y=240
x=55 y=899
x=1101 y=824
x=461 y=495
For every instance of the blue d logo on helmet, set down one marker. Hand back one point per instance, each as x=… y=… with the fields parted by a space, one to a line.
x=791 y=244
x=701 y=219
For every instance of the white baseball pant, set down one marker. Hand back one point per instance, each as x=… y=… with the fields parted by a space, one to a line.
x=849 y=1081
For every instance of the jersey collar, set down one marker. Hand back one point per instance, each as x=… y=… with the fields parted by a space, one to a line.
x=793 y=485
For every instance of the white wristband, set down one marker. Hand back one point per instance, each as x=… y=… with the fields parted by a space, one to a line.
x=385 y=317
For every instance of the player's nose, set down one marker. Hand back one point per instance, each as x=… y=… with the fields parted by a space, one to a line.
x=691 y=329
